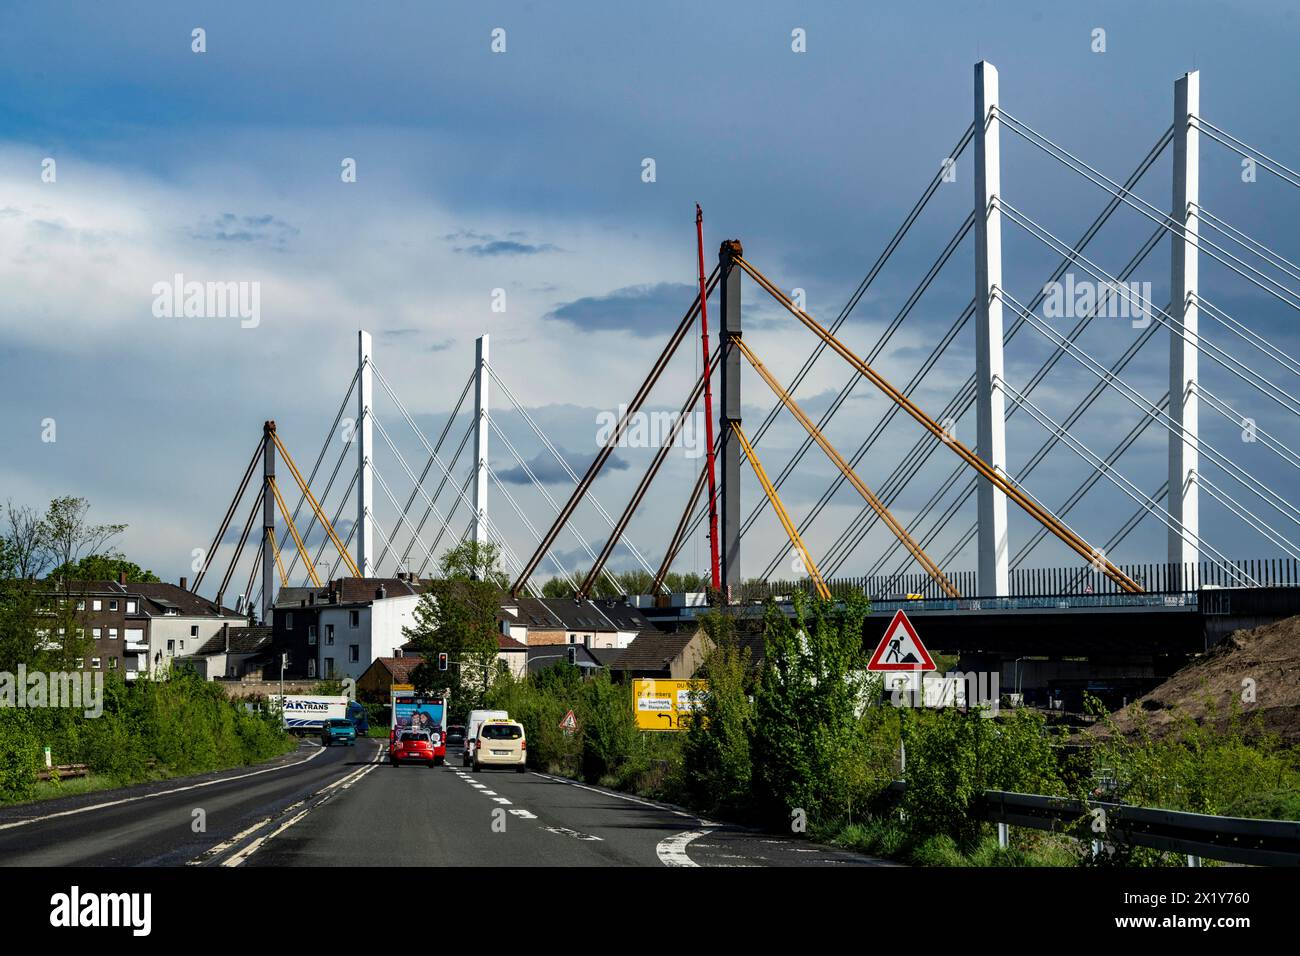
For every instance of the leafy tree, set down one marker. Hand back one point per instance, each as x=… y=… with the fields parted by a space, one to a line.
x=717 y=742
x=807 y=703
x=104 y=567
x=457 y=615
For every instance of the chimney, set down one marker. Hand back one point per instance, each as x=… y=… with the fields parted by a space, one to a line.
x=121 y=577
x=221 y=600
x=225 y=633
x=184 y=582
x=381 y=592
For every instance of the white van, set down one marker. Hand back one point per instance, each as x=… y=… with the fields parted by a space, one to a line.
x=472 y=725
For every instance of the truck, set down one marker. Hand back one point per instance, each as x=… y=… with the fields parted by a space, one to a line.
x=472 y=725
x=426 y=712
x=306 y=713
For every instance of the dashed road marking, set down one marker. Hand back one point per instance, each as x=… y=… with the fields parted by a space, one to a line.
x=520 y=812
x=565 y=831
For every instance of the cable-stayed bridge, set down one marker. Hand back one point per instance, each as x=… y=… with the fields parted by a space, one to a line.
x=403 y=515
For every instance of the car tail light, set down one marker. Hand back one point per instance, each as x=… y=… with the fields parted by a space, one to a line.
x=523 y=745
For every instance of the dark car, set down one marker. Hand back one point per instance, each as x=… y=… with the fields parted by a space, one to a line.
x=455 y=735
x=412 y=746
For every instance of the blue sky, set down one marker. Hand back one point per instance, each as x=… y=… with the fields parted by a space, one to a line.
x=522 y=171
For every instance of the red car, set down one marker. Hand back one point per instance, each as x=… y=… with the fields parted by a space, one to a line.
x=413 y=746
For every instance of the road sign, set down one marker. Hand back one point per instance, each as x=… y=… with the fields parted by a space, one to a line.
x=901 y=649
x=665 y=704
x=569 y=723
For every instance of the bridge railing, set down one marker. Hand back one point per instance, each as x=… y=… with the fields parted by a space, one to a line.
x=1064 y=582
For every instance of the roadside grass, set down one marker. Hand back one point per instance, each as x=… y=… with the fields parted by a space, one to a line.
x=890 y=838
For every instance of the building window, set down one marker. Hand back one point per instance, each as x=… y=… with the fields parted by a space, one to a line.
x=96 y=632
x=194 y=630
x=354 y=653
x=112 y=663
x=181 y=645
x=171 y=648
x=112 y=605
x=130 y=607
x=112 y=633
x=80 y=663
x=97 y=605
x=95 y=663
x=311 y=633
x=329 y=667
x=329 y=634
x=311 y=667
x=288 y=620
x=354 y=619
x=81 y=604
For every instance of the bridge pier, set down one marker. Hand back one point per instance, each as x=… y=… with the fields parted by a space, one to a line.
x=990 y=415
x=364 y=438
x=481 y=439
x=729 y=290
x=268 y=522
x=1184 y=402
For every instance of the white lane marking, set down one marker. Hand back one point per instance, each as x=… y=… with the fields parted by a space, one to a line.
x=479 y=786
x=565 y=831
x=501 y=800
x=672 y=850
x=342 y=783
x=622 y=796
x=524 y=813
x=160 y=793
x=488 y=793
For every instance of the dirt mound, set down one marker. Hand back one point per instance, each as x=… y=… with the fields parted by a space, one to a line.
x=1258 y=669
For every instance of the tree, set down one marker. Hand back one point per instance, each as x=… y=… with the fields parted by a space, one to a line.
x=68 y=535
x=25 y=543
x=104 y=567
x=807 y=703
x=457 y=615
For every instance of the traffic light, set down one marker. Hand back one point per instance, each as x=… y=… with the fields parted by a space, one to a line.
x=442 y=661
x=573 y=654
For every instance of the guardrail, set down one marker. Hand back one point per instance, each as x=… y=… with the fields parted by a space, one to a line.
x=65 y=771
x=1196 y=835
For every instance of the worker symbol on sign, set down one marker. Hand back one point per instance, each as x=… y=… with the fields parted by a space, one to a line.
x=900 y=649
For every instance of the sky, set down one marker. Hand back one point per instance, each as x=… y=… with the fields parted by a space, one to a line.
x=505 y=192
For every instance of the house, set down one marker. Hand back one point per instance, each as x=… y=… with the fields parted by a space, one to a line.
x=234 y=653
x=376 y=681
x=336 y=630
x=601 y=622
x=513 y=654
x=137 y=628
x=658 y=654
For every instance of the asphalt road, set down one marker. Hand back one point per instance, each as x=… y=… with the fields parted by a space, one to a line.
x=347 y=806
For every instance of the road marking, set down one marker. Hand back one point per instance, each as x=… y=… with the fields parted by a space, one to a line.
x=488 y=793
x=565 y=831
x=343 y=783
x=622 y=796
x=500 y=800
x=672 y=850
x=524 y=813
x=160 y=793
x=479 y=786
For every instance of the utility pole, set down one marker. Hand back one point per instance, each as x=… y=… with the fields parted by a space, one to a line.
x=481 y=427
x=729 y=286
x=268 y=520
x=1184 y=345
x=990 y=410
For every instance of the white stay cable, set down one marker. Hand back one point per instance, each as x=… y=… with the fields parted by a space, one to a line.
x=547 y=495
x=590 y=496
x=1097 y=463
x=1136 y=399
x=501 y=487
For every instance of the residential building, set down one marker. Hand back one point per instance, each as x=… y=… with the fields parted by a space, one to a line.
x=338 y=630
x=233 y=653
x=592 y=623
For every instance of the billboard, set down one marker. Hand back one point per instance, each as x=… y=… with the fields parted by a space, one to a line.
x=666 y=704
x=420 y=711
x=305 y=711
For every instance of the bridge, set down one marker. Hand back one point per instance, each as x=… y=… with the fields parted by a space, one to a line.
x=1005 y=604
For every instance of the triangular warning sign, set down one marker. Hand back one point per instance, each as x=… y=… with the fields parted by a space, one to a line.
x=569 y=722
x=901 y=649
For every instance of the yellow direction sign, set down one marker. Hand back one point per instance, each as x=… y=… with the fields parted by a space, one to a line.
x=666 y=704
